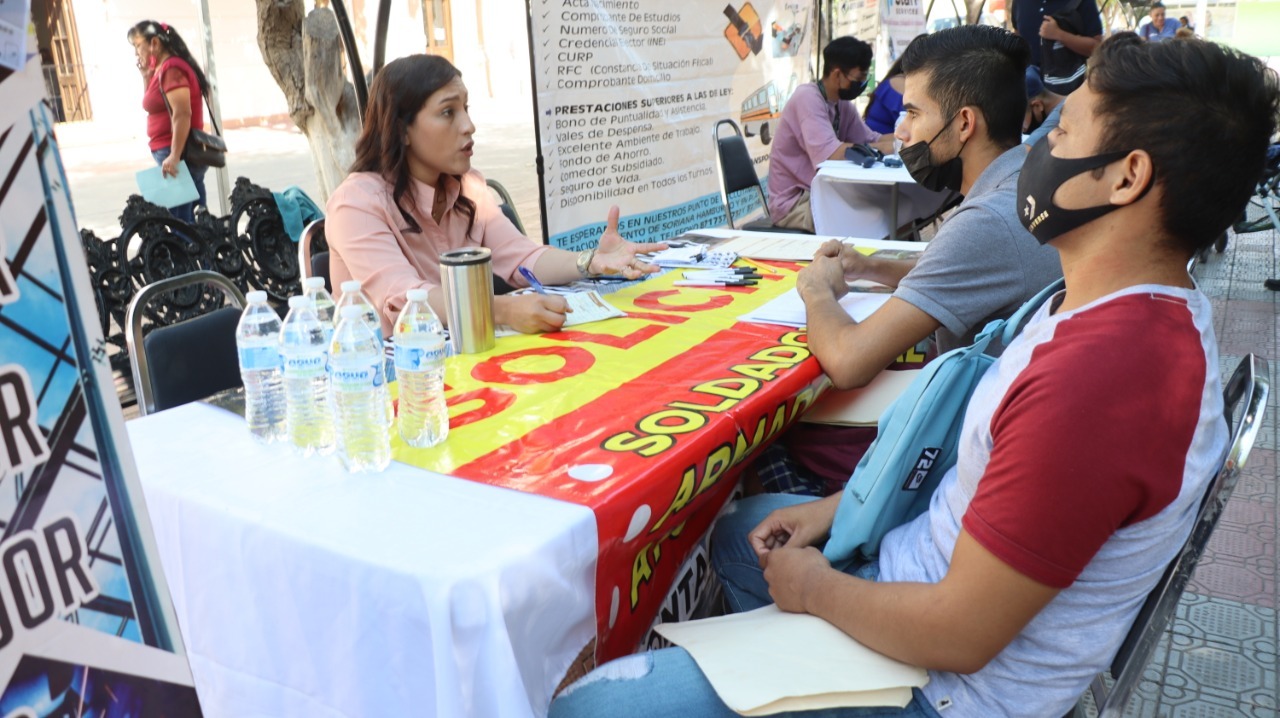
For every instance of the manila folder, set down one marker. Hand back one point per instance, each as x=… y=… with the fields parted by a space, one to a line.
x=767 y=661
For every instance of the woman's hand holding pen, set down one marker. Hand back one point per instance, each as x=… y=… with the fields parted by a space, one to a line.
x=531 y=313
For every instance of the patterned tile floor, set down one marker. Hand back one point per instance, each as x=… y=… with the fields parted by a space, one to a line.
x=1218 y=658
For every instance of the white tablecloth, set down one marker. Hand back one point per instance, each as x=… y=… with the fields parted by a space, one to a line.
x=848 y=200
x=302 y=590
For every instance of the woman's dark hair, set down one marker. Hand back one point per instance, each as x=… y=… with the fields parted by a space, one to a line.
x=172 y=41
x=894 y=70
x=399 y=91
x=1206 y=162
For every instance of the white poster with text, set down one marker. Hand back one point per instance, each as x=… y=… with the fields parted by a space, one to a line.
x=628 y=95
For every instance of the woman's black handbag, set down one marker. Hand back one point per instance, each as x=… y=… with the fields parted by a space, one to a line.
x=202 y=148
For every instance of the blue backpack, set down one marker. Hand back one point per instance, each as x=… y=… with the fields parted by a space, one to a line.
x=916 y=443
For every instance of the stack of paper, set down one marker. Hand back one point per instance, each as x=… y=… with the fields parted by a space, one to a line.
x=788 y=309
x=766 y=661
x=861 y=407
x=690 y=256
x=794 y=247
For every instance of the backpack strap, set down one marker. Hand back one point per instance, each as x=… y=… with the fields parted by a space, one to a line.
x=1013 y=324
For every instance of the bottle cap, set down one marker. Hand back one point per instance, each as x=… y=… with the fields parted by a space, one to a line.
x=315 y=283
x=257 y=296
x=416 y=295
x=352 y=312
x=299 y=301
x=351 y=286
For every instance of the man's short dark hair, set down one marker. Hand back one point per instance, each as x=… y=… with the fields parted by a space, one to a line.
x=844 y=54
x=975 y=66
x=1205 y=114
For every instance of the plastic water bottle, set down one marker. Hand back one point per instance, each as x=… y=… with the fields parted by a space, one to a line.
x=420 y=352
x=358 y=388
x=308 y=420
x=352 y=296
x=322 y=304
x=258 y=344
x=897 y=143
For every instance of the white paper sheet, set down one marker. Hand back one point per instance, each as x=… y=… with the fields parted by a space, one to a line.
x=788 y=309
x=589 y=307
x=766 y=661
x=167 y=191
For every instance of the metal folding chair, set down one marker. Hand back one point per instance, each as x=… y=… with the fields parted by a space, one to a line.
x=1247 y=390
x=313 y=265
x=738 y=174
x=189 y=360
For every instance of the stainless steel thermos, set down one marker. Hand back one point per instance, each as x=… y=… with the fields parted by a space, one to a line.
x=468 y=298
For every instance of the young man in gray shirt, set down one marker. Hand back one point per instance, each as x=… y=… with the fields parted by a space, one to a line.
x=964 y=104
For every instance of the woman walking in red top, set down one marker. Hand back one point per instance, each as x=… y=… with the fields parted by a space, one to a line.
x=170 y=73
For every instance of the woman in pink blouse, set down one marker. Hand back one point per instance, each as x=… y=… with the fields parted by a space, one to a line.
x=412 y=195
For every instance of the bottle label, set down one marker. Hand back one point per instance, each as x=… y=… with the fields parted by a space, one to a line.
x=419 y=358
x=258 y=358
x=305 y=366
x=356 y=378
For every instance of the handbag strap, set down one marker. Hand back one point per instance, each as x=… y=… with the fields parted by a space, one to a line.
x=164 y=96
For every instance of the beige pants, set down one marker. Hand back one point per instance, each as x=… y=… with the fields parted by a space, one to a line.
x=800 y=216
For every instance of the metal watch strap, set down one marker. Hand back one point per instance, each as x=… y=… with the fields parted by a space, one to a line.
x=584 y=261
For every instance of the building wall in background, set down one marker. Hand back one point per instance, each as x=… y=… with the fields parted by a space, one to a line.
x=498 y=68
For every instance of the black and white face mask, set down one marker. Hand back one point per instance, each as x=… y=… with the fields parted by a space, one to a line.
x=933 y=176
x=1042 y=174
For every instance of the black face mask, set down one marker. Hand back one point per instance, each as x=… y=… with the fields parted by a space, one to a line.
x=918 y=160
x=1042 y=175
x=852 y=91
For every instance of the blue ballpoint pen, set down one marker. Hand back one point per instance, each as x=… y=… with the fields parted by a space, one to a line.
x=533 y=281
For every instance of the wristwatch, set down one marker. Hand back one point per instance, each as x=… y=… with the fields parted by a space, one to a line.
x=584 y=261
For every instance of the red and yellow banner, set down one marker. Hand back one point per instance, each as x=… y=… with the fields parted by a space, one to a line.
x=645 y=419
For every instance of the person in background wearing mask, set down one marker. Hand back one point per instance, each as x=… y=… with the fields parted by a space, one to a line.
x=819 y=123
x=1043 y=109
x=965 y=106
x=1158 y=28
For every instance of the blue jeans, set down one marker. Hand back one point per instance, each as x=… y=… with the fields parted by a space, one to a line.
x=667 y=683
x=185 y=212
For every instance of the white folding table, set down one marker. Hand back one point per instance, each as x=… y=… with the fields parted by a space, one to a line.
x=302 y=590
x=850 y=200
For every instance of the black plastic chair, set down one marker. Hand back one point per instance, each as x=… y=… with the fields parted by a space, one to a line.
x=1250 y=382
x=313 y=265
x=187 y=361
x=738 y=174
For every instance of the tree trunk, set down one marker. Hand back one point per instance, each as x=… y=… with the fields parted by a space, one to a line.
x=305 y=58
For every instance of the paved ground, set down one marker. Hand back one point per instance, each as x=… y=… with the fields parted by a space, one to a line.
x=1218 y=659
x=102 y=173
